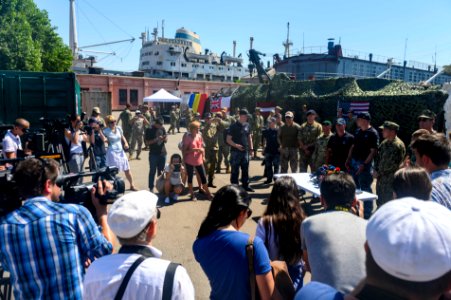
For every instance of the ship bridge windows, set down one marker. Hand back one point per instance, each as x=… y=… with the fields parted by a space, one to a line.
x=157 y=53
x=145 y=63
x=172 y=64
x=183 y=65
x=159 y=63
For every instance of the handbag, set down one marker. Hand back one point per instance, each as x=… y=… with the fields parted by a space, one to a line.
x=283 y=285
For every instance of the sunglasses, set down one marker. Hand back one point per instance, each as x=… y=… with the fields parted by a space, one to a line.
x=111 y=122
x=423 y=119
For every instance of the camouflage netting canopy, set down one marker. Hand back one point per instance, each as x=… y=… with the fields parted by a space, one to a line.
x=391 y=100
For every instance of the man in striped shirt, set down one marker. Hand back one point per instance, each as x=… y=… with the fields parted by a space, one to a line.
x=46 y=245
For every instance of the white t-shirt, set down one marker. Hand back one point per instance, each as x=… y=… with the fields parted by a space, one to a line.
x=75 y=148
x=176 y=178
x=11 y=143
x=105 y=275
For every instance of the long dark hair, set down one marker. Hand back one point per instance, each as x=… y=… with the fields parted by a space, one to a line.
x=228 y=202
x=285 y=214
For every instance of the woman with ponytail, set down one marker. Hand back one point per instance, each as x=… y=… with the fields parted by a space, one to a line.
x=280 y=228
x=220 y=248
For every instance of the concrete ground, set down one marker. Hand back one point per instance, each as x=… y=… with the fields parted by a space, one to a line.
x=180 y=222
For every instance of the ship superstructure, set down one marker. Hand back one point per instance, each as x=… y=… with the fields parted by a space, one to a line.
x=182 y=57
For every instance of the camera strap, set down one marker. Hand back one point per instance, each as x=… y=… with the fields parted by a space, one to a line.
x=145 y=252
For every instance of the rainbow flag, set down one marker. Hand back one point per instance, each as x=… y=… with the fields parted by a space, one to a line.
x=196 y=103
x=191 y=100
x=202 y=102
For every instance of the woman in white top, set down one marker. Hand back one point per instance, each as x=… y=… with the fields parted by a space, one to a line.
x=174 y=177
x=280 y=228
x=115 y=155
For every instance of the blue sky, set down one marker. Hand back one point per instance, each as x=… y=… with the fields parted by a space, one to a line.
x=379 y=27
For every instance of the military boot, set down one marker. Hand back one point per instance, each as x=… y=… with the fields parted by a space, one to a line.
x=210 y=182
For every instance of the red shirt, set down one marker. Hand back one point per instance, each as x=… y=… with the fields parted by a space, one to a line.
x=189 y=143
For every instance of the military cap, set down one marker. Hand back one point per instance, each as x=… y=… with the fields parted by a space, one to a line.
x=427 y=114
x=207 y=115
x=390 y=125
x=289 y=114
x=278 y=107
x=327 y=123
x=364 y=115
x=310 y=112
x=340 y=121
x=244 y=112
x=197 y=114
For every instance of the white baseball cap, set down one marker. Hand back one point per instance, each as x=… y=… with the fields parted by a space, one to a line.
x=131 y=213
x=410 y=239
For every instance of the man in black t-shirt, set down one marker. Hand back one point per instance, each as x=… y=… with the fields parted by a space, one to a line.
x=239 y=138
x=361 y=155
x=339 y=145
x=156 y=138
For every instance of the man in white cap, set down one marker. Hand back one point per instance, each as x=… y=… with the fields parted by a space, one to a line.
x=136 y=272
x=408 y=255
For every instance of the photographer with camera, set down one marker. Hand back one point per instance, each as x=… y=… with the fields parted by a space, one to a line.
x=46 y=245
x=174 y=177
x=74 y=137
x=11 y=142
x=97 y=140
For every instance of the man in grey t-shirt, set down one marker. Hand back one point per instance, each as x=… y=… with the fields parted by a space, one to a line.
x=333 y=242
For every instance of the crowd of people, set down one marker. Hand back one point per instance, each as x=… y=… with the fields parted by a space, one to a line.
x=396 y=249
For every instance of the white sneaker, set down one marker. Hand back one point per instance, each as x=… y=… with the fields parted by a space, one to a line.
x=167 y=200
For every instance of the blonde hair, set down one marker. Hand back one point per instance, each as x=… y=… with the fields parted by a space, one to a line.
x=110 y=118
x=193 y=125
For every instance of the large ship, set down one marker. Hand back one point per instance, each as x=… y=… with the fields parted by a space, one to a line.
x=182 y=57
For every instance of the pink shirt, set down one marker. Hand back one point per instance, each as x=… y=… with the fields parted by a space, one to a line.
x=189 y=143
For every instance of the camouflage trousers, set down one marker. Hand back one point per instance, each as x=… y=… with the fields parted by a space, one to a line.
x=172 y=127
x=256 y=139
x=137 y=138
x=384 y=188
x=127 y=134
x=305 y=161
x=289 y=155
x=211 y=157
x=223 y=153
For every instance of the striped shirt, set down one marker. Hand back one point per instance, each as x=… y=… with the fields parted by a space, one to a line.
x=44 y=246
x=441 y=187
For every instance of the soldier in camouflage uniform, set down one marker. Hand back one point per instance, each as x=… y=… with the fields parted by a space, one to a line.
x=257 y=127
x=148 y=115
x=138 y=122
x=224 y=148
x=351 y=123
x=177 y=120
x=308 y=133
x=390 y=155
x=319 y=156
x=288 y=138
x=125 y=118
x=210 y=135
x=173 y=120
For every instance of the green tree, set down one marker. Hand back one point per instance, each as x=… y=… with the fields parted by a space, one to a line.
x=447 y=69
x=28 y=42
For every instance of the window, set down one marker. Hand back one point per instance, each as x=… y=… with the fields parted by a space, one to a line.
x=173 y=64
x=122 y=96
x=159 y=63
x=134 y=97
x=156 y=53
x=183 y=65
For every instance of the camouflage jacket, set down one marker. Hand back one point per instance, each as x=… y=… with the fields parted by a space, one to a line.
x=210 y=135
x=389 y=157
x=258 y=123
x=309 y=133
x=319 y=156
x=125 y=117
x=173 y=116
x=222 y=126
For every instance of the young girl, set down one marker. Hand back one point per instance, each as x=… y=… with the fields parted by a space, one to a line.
x=174 y=178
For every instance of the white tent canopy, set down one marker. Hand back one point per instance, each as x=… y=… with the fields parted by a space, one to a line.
x=162 y=96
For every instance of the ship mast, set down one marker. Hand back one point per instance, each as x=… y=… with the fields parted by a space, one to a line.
x=73 y=38
x=287 y=44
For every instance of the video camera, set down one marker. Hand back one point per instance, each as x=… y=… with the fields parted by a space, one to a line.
x=72 y=192
x=81 y=193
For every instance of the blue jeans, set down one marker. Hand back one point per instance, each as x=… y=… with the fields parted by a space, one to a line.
x=239 y=159
x=156 y=162
x=272 y=163
x=363 y=182
x=100 y=162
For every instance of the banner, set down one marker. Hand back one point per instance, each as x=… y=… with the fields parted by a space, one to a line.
x=225 y=102
x=202 y=102
x=196 y=103
x=357 y=107
x=191 y=100
x=215 y=104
